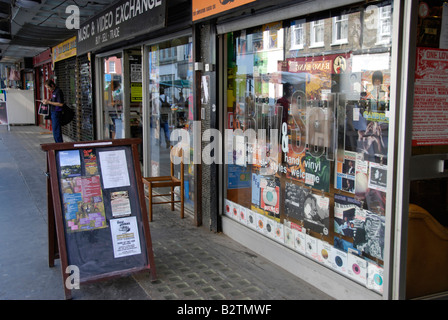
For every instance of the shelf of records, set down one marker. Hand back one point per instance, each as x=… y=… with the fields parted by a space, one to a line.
x=341 y=257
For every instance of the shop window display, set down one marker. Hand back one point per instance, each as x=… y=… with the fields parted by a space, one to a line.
x=312 y=174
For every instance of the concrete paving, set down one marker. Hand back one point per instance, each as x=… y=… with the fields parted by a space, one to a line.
x=192 y=263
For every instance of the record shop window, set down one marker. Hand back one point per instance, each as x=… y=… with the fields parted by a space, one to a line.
x=306 y=164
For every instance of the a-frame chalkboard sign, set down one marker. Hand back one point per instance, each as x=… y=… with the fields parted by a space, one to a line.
x=97 y=222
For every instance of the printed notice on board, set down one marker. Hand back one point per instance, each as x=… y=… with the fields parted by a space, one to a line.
x=114 y=169
x=125 y=239
x=430 y=98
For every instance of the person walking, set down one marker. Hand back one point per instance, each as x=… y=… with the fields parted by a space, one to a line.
x=56 y=102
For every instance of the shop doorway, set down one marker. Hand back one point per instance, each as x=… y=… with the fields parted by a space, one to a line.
x=122 y=95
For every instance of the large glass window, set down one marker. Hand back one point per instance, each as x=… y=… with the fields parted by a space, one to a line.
x=113 y=97
x=171 y=105
x=308 y=106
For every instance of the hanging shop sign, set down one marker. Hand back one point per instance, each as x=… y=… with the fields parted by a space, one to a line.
x=64 y=50
x=124 y=20
x=206 y=8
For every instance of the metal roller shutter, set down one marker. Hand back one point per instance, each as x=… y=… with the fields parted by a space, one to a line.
x=73 y=76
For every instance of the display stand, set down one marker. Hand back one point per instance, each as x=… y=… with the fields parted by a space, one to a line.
x=97 y=218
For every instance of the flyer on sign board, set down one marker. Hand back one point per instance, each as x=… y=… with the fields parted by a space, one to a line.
x=125 y=238
x=114 y=169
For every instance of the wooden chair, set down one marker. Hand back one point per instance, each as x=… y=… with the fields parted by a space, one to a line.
x=167 y=181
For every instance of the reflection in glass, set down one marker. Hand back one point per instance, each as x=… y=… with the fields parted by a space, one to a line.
x=171 y=105
x=113 y=97
x=316 y=92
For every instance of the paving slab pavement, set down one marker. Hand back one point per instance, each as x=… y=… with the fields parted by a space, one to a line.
x=192 y=263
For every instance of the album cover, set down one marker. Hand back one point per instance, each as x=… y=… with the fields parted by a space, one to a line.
x=312 y=209
x=367 y=133
x=345 y=172
x=270 y=196
x=295 y=196
x=378 y=177
x=369 y=234
x=345 y=214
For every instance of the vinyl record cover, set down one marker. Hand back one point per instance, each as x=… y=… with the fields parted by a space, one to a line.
x=270 y=196
x=324 y=252
x=317 y=172
x=312 y=209
x=242 y=215
x=357 y=268
x=279 y=232
x=375 y=277
x=269 y=228
x=345 y=172
x=288 y=237
x=251 y=219
x=228 y=208
x=369 y=235
x=261 y=222
x=344 y=214
x=299 y=241
x=339 y=261
x=311 y=247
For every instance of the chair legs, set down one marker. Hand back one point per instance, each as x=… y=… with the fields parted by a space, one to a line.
x=182 y=200
x=172 y=198
x=150 y=198
x=150 y=202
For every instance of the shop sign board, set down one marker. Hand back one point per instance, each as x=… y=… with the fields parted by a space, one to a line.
x=64 y=50
x=206 y=8
x=121 y=21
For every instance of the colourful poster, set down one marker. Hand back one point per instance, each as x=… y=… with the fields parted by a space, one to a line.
x=83 y=203
x=430 y=114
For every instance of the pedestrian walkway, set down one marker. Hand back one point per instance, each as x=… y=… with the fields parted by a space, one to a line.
x=192 y=263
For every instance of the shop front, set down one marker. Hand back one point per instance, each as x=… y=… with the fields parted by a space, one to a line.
x=143 y=78
x=315 y=116
x=66 y=77
x=42 y=71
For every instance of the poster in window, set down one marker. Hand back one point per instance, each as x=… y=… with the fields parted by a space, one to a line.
x=369 y=235
x=317 y=172
x=345 y=172
x=270 y=196
x=313 y=210
x=345 y=214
